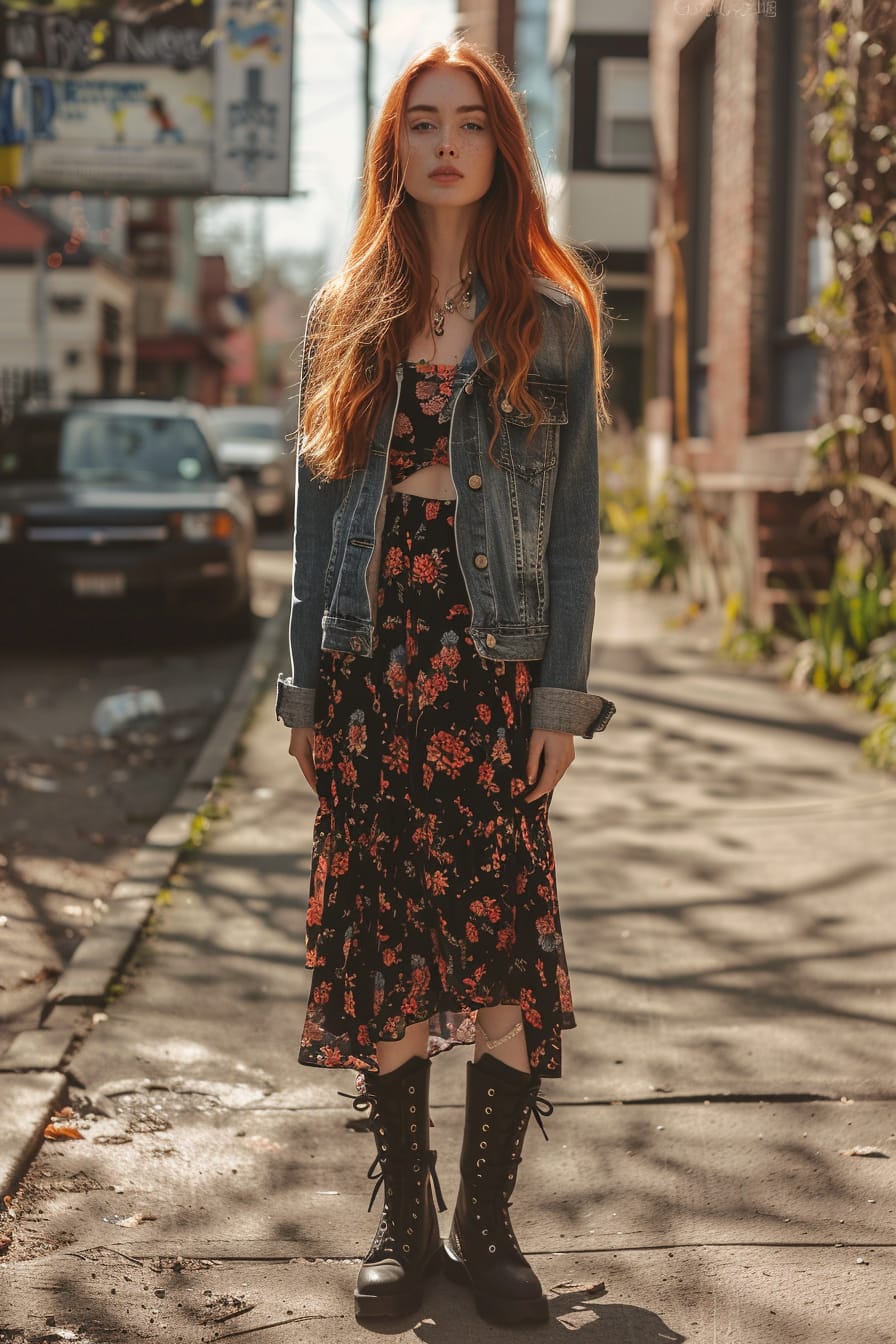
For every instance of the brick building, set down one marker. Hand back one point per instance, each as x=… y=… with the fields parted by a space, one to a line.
x=735 y=173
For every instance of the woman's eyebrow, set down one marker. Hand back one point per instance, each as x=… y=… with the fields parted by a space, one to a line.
x=425 y=107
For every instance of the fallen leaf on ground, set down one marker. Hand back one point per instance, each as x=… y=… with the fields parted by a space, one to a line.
x=45 y=973
x=65 y=1114
x=62 y=1132
x=131 y=1220
x=10 y=1211
x=5 y=1243
x=863 y=1152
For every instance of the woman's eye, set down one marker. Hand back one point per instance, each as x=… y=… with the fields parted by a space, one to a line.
x=473 y=126
x=422 y=126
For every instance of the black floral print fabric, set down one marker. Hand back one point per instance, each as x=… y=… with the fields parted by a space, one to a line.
x=433 y=886
x=419 y=440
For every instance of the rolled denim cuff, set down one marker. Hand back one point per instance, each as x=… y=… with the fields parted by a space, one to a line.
x=295 y=704
x=560 y=711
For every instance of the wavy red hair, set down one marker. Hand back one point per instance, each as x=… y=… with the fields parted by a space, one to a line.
x=365 y=317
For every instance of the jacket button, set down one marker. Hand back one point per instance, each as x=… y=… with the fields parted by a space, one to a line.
x=480 y=561
x=355 y=642
x=490 y=641
x=468 y=388
x=474 y=482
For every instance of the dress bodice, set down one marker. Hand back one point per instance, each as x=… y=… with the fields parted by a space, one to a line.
x=419 y=439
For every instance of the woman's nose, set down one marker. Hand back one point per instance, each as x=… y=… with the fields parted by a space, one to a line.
x=444 y=150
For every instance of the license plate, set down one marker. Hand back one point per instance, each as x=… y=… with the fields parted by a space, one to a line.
x=102 y=583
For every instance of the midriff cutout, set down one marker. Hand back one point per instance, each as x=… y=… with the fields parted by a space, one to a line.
x=433 y=482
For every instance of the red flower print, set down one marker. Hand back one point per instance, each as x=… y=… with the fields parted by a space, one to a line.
x=438 y=882
x=323 y=751
x=403 y=427
x=472 y=932
x=432 y=509
x=426 y=568
x=357 y=737
x=394 y=561
x=396 y=756
x=484 y=712
x=508 y=709
x=339 y=864
x=523 y=681
x=530 y=1012
x=448 y=752
x=348 y=772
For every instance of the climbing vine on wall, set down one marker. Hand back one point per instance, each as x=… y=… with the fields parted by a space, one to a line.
x=853 y=126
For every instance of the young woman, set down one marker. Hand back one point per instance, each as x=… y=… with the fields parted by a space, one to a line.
x=445 y=559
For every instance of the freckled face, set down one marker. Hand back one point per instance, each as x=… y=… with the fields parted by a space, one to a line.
x=447 y=145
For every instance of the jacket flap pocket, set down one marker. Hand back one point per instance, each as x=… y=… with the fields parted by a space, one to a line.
x=551 y=397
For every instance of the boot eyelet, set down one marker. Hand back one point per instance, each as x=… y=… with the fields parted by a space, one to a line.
x=405 y=1248
x=492 y=1249
x=484 y=1143
x=488 y=1110
x=485 y=1231
x=413 y=1110
x=413 y=1129
x=491 y=1092
x=485 y=1129
x=412 y=1090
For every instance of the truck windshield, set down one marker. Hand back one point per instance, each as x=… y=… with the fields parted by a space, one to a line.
x=106 y=448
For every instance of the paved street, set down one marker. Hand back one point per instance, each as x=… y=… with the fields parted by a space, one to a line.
x=725 y=877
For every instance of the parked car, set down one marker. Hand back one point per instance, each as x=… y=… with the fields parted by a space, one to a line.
x=251 y=440
x=123 y=499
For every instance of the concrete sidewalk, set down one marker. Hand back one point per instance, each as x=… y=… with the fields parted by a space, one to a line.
x=725 y=876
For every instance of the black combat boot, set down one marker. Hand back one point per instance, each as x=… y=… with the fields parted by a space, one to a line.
x=482 y=1250
x=407 y=1243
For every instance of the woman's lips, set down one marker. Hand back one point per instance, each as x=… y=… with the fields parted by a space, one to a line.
x=446 y=175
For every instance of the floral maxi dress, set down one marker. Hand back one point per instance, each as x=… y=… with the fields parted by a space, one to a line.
x=433 y=886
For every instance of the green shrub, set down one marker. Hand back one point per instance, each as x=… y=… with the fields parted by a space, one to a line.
x=837 y=637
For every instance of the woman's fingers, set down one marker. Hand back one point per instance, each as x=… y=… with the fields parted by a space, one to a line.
x=301 y=747
x=556 y=753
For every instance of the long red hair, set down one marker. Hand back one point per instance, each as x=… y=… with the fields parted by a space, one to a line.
x=365 y=317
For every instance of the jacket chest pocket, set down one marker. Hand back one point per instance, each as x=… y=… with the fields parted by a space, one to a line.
x=520 y=450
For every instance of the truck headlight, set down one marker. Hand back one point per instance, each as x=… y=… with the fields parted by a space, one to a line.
x=10 y=524
x=206 y=525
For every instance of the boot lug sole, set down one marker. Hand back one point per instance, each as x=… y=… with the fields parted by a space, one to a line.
x=498 y=1310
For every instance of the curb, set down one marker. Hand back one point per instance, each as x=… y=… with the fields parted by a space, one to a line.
x=32 y=1084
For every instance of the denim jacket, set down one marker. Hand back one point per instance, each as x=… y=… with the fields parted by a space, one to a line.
x=526 y=530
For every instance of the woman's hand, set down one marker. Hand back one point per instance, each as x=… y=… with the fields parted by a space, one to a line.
x=301 y=746
x=552 y=754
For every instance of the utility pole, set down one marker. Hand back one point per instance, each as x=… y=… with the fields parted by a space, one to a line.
x=257 y=292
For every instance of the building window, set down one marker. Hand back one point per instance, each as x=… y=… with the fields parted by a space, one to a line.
x=111 y=324
x=624 y=136
x=798 y=259
x=69 y=304
x=72 y=357
x=611 y=126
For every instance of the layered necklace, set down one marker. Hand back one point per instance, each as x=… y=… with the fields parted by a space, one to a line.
x=457 y=299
